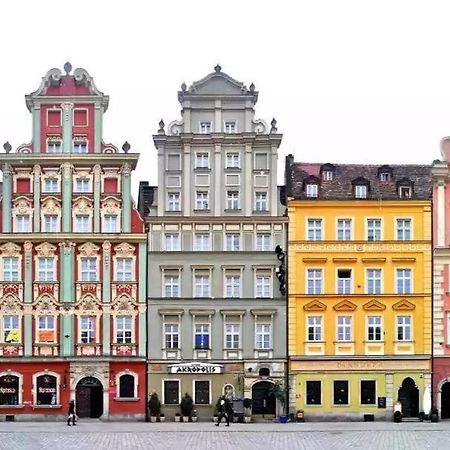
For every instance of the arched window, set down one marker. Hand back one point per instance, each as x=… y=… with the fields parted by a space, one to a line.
x=46 y=390
x=127 y=386
x=9 y=390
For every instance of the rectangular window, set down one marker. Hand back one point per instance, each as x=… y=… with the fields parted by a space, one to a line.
x=344 y=229
x=205 y=127
x=110 y=185
x=263 y=336
x=202 y=242
x=46 y=269
x=23 y=223
x=261 y=161
x=232 y=242
x=261 y=201
x=403 y=328
x=374 y=229
x=54 y=147
x=314 y=328
x=173 y=201
x=88 y=269
x=50 y=185
x=82 y=185
x=201 y=392
x=374 y=328
x=171 y=286
x=373 y=283
x=80 y=117
x=124 y=329
x=233 y=200
x=11 y=329
x=344 y=281
x=327 y=175
x=110 y=223
x=232 y=336
x=403 y=281
x=172 y=242
x=82 y=224
x=124 y=269
x=46 y=329
x=312 y=190
x=202 y=336
x=263 y=285
x=80 y=147
x=171 y=392
x=50 y=223
x=263 y=242
x=230 y=127
x=171 y=336
x=344 y=328
x=360 y=191
x=314 y=281
x=23 y=185
x=405 y=192
x=314 y=230
x=11 y=269
x=232 y=285
x=201 y=286
x=202 y=160
x=340 y=392
x=233 y=161
x=201 y=200
x=313 y=392
x=403 y=229
x=54 y=117
x=87 y=329
x=368 y=392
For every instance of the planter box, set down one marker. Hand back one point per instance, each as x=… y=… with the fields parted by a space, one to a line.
x=194 y=418
x=153 y=419
x=177 y=418
x=247 y=419
x=185 y=418
x=162 y=418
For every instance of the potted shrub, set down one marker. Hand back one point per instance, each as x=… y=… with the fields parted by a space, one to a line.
x=279 y=393
x=177 y=417
x=154 y=405
x=194 y=416
x=162 y=417
x=247 y=410
x=186 y=406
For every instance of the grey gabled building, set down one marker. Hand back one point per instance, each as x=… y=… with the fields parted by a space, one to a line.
x=216 y=318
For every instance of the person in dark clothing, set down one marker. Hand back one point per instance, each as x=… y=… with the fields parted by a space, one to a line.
x=71 y=413
x=225 y=411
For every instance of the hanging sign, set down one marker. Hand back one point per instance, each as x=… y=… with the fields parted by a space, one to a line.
x=196 y=368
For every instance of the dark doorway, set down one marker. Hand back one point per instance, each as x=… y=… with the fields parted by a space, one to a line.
x=89 y=398
x=445 y=401
x=408 y=395
x=263 y=401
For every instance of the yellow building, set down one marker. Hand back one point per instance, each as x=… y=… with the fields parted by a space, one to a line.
x=359 y=308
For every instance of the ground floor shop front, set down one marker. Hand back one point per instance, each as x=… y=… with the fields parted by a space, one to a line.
x=356 y=389
x=103 y=389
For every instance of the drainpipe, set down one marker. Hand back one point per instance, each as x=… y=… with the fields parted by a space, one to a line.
x=433 y=403
x=287 y=314
x=146 y=228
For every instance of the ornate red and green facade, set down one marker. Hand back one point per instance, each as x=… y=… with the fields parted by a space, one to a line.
x=72 y=263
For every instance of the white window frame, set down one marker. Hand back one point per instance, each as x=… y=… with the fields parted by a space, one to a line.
x=401 y=231
x=202 y=160
x=22 y=225
x=314 y=228
x=374 y=226
x=169 y=332
x=233 y=160
x=136 y=389
x=344 y=327
x=173 y=287
x=91 y=331
x=205 y=127
x=235 y=287
x=263 y=241
x=52 y=225
x=202 y=242
x=380 y=271
x=227 y=126
x=261 y=201
x=58 y=384
x=86 y=224
x=202 y=327
x=53 y=184
x=375 y=326
x=404 y=280
x=327 y=175
x=82 y=185
x=266 y=330
x=10 y=327
x=405 y=191
x=173 y=201
x=88 y=274
x=20 y=384
x=361 y=191
x=47 y=326
x=108 y=222
x=316 y=325
x=233 y=242
x=172 y=242
x=202 y=285
x=347 y=289
x=52 y=145
x=233 y=200
x=315 y=275
x=124 y=269
x=11 y=267
x=263 y=283
x=235 y=330
x=312 y=190
x=344 y=229
x=407 y=327
x=202 y=200
x=123 y=329
x=46 y=269
x=79 y=144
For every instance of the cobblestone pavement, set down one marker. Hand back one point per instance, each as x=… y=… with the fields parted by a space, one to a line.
x=96 y=435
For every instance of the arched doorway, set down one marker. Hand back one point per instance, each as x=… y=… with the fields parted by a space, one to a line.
x=263 y=401
x=445 y=401
x=408 y=395
x=89 y=398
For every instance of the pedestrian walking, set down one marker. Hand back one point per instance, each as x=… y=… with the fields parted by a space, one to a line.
x=71 y=413
x=224 y=408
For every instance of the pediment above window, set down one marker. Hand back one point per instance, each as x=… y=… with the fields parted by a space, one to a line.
x=10 y=249
x=45 y=249
x=89 y=306
x=51 y=205
x=345 y=305
x=403 y=305
x=22 y=205
x=82 y=205
x=124 y=249
x=111 y=205
x=374 y=305
x=315 y=305
x=88 y=249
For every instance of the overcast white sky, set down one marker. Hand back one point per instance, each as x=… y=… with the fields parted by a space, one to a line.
x=348 y=81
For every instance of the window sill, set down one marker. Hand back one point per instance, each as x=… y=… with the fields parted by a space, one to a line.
x=233 y=210
x=344 y=342
x=264 y=211
x=314 y=405
x=126 y=399
x=202 y=169
x=233 y=169
x=46 y=406
x=373 y=342
x=404 y=342
x=202 y=210
x=314 y=342
x=47 y=344
x=342 y=405
x=12 y=406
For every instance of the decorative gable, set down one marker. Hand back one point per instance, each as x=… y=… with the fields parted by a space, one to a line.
x=403 y=305
x=374 y=305
x=45 y=249
x=89 y=249
x=315 y=305
x=345 y=305
x=124 y=249
x=10 y=249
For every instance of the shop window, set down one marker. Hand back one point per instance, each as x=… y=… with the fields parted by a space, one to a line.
x=9 y=390
x=23 y=185
x=126 y=386
x=171 y=392
x=201 y=394
x=340 y=392
x=313 y=392
x=368 y=392
x=46 y=389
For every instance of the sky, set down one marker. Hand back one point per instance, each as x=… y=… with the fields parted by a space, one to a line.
x=347 y=81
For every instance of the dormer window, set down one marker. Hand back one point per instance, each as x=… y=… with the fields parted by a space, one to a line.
x=327 y=175
x=405 y=191
x=205 y=127
x=385 y=173
x=360 y=191
x=385 y=176
x=80 y=147
x=327 y=171
x=312 y=190
x=53 y=146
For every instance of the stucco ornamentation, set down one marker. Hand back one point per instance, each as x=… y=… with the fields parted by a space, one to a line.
x=46 y=249
x=124 y=249
x=10 y=249
x=111 y=205
x=175 y=128
x=88 y=249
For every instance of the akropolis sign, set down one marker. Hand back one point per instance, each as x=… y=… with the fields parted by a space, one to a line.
x=196 y=368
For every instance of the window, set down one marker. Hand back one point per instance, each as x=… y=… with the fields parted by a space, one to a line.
x=171 y=286
x=314 y=281
x=80 y=117
x=374 y=328
x=202 y=160
x=53 y=146
x=232 y=285
x=46 y=269
x=404 y=284
x=263 y=242
x=54 y=117
x=202 y=242
x=261 y=201
x=344 y=328
x=124 y=329
x=23 y=223
x=126 y=386
x=124 y=269
x=23 y=186
x=50 y=223
x=46 y=329
x=173 y=201
x=340 y=392
x=232 y=161
x=110 y=223
x=344 y=281
x=263 y=336
x=232 y=242
x=403 y=229
x=171 y=336
x=314 y=328
x=172 y=242
x=360 y=191
x=374 y=229
x=88 y=269
x=368 y=392
x=373 y=281
x=171 y=392
x=201 y=392
x=385 y=176
x=344 y=229
x=11 y=269
x=230 y=127
x=87 y=329
x=205 y=127
x=50 y=185
x=201 y=200
x=201 y=336
x=80 y=147
x=82 y=185
x=314 y=231
x=327 y=175
x=201 y=286
x=9 y=390
x=233 y=200
x=405 y=192
x=312 y=190
x=82 y=224
x=11 y=329
x=314 y=392
x=263 y=285
x=110 y=185
x=232 y=336
x=46 y=392
x=261 y=161
x=403 y=328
